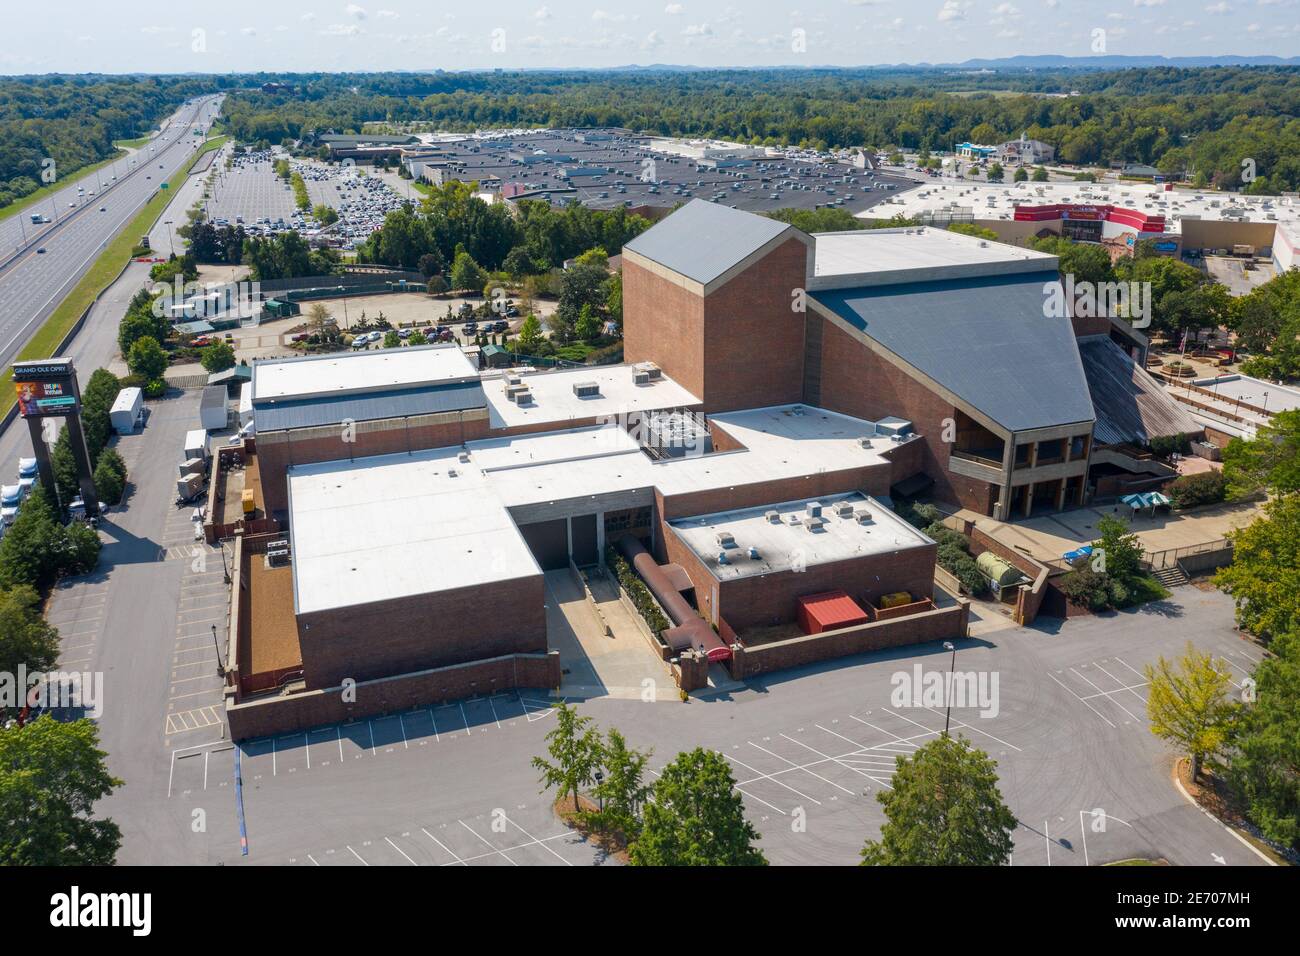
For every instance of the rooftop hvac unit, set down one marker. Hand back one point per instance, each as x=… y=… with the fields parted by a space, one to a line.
x=726 y=539
x=864 y=443
x=795 y=519
x=813 y=509
x=753 y=552
x=282 y=543
x=844 y=509
x=586 y=389
x=512 y=379
x=897 y=438
x=640 y=378
x=773 y=516
x=722 y=557
x=862 y=516
x=653 y=371
x=813 y=524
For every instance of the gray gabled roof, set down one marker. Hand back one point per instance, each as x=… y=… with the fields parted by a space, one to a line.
x=988 y=341
x=702 y=240
x=1131 y=405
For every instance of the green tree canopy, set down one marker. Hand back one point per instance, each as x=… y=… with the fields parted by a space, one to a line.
x=1264 y=576
x=1187 y=704
x=575 y=751
x=51 y=775
x=944 y=809
x=697 y=817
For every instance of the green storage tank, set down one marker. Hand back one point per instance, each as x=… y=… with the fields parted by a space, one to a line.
x=1000 y=572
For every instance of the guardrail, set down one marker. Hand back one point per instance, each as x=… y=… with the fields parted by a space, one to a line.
x=1159 y=560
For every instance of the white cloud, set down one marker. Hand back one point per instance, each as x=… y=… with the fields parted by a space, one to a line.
x=673 y=9
x=1218 y=8
x=604 y=16
x=341 y=30
x=308 y=17
x=248 y=31
x=542 y=13
x=698 y=30
x=652 y=41
x=953 y=10
x=387 y=14
x=353 y=10
x=1148 y=3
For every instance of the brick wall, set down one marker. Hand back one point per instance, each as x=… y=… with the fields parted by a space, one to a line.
x=739 y=347
x=753 y=339
x=856 y=381
x=663 y=323
x=941 y=624
x=300 y=712
x=772 y=598
x=370 y=641
x=871 y=479
x=276 y=451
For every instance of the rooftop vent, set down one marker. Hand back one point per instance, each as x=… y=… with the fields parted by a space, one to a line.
x=753 y=552
x=653 y=371
x=813 y=524
x=586 y=389
x=813 y=509
x=726 y=539
x=862 y=516
x=773 y=516
x=463 y=456
x=722 y=557
x=452 y=473
x=844 y=509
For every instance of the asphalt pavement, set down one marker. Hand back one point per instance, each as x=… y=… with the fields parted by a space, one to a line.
x=33 y=284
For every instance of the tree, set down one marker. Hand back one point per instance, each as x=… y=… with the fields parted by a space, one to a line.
x=1020 y=175
x=582 y=284
x=696 y=817
x=436 y=285
x=1264 y=769
x=218 y=356
x=1040 y=174
x=1121 y=551
x=431 y=264
x=1264 y=577
x=622 y=792
x=466 y=274
x=25 y=637
x=996 y=173
x=51 y=776
x=392 y=340
x=417 y=338
x=530 y=335
x=110 y=477
x=147 y=358
x=944 y=809
x=970 y=229
x=1270 y=461
x=575 y=754
x=1187 y=705
x=589 y=325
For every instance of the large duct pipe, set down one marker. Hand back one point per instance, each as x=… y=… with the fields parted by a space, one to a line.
x=691 y=630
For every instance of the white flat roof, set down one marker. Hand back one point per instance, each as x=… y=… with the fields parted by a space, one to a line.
x=935 y=196
x=397 y=525
x=914 y=254
x=783 y=546
x=784 y=441
x=349 y=372
x=553 y=400
x=1229 y=390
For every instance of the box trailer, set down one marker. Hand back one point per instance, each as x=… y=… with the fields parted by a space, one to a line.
x=188 y=487
x=196 y=444
x=212 y=408
x=127 y=411
x=245 y=404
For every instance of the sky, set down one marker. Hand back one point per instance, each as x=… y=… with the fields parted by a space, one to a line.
x=232 y=36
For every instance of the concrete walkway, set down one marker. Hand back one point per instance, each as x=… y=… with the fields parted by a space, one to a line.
x=601 y=648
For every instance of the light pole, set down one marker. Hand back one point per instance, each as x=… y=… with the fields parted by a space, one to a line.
x=600 y=797
x=952 y=667
x=171 y=237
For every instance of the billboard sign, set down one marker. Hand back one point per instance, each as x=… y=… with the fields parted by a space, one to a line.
x=46 y=387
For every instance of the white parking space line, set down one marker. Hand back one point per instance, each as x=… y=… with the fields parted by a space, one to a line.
x=1108 y=694
x=485 y=842
x=1082 y=701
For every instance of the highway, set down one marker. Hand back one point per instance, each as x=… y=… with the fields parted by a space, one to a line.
x=32 y=282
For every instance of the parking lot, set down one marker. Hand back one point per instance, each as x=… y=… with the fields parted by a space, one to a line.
x=250 y=194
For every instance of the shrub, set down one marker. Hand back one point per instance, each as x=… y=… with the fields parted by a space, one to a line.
x=1087 y=588
x=155 y=388
x=641 y=597
x=942 y=535
x=920 y=514
x=1204 y=488
x=952 y=557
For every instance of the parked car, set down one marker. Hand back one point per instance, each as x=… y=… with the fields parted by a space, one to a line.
x=40 y=251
